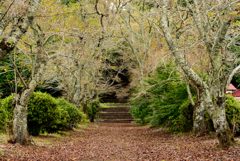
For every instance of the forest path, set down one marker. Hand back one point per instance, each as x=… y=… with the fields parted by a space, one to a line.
x=119 y=141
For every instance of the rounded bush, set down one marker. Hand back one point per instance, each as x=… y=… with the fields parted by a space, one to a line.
x=44 y=114
x=184 y=122
x=6 y=112
x=3 y=118
x=75 y=115
x=7 y=105
x=233 y=113
x=92 y=109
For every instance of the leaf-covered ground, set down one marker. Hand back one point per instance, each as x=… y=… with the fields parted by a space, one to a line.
x=109 y=141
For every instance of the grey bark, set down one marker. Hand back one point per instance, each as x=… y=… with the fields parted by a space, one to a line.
x=198 y=122
x=77 y=94
x=20 y=133
x=214 y=97
x=199 y=108
x=218 y=116
x=189 y=93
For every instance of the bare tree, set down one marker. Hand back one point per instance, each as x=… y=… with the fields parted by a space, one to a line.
x=212 y=21
x=20 y=25
x=137 y=32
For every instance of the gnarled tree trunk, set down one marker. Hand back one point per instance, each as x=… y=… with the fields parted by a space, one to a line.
x=20 y=132
x=199 y=108
x=212 y=93
x=216 y=111
x=198 y=117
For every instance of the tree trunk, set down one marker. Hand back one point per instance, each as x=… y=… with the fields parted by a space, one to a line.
x=216 y=111
x=141 y=81
x=221 y=125
x=199 y=108
x=85 y=108
x=76 y=97
x=198 y=116
x=20 y=133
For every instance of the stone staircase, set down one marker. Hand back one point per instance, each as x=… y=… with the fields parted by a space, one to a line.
x=114 y=113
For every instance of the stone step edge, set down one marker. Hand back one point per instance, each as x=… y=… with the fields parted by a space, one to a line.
x=116 y=112
x=113 y=112
x=114 y=119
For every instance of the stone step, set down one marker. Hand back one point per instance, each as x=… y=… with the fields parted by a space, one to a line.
x=115 y=120
x=114 y=109
x=113 y=115
x=117 y=105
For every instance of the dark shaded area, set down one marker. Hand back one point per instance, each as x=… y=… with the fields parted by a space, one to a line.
x=111 y=97
x=235 y=82
x=117 y=60
x=53 y=92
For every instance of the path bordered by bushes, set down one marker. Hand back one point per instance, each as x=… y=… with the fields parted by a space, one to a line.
x=119 y=141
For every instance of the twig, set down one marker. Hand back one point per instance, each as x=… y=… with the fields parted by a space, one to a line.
x=15 y=67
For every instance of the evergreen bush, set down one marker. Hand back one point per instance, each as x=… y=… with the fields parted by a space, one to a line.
x=141 y=110
x=168 y=105
x=45 y=113
x=6 y=112
x=75 y=115
x=159 y=106
x=92 y=109
x=184 y=122
x=233 y=113
x=3 y=118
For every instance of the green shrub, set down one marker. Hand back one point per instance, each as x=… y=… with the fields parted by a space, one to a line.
x=92 y=110
x=75 y=115
x=140 y=110
x=3 y=118
x=160 y=104
x=184 y=122
x=45 y=113
x=6 y=104
x=6 y=112
x=233 y=112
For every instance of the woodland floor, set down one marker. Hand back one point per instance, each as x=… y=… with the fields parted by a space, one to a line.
x=119 y=141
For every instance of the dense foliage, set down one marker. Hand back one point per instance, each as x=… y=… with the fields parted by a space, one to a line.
x=160 y=105
x=45 y=113
x=3 y=118
x=7 y=77
x=167 y=105
x=74 y=114
x=233 y=113
x=92 y=110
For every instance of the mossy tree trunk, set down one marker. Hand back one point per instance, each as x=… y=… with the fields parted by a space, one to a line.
x=216 y=111
x=21 y=100
x=20 y=133
x=199 y=108
x=213 y=89
x=198 y=117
